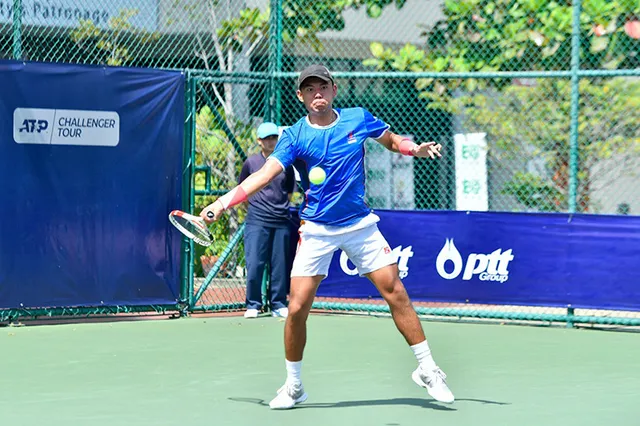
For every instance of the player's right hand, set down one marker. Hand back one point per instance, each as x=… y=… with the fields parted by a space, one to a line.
x=427 y=149
x=212 y=212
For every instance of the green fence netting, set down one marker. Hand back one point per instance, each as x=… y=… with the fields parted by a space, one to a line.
x=548 y=91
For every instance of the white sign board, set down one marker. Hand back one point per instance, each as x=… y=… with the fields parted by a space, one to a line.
x=68 y=13
x=66 y=127
x=471 y=172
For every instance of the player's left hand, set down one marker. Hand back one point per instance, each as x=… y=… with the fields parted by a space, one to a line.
x=427 y=149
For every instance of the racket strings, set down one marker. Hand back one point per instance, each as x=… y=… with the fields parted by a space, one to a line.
x=196 y=231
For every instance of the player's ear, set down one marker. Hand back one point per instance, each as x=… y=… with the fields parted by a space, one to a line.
x=335 y=90
x=299 y=94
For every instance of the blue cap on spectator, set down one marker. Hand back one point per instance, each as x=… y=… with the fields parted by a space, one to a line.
x=267 y=129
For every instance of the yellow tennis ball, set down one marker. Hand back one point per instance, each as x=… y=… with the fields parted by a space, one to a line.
x=317 y=175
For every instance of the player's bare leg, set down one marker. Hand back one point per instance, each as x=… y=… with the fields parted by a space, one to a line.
x=428 y=375
x=303 y=291
x=301 y=295
x=392 y=290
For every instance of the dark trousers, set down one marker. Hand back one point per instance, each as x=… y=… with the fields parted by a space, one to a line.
x=265 y=245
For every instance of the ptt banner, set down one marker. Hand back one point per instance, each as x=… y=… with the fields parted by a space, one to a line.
x=586 y=261
x=90 y=166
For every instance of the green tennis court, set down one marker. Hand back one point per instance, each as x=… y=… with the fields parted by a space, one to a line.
x=224 y=370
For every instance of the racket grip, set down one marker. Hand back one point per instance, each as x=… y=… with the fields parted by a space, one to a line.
x=210 y=215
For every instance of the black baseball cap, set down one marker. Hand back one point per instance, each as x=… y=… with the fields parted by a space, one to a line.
x=319 y=71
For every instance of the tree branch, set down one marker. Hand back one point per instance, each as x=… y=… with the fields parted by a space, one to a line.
x=214 y=34
x=254 y=45
x=203 y=52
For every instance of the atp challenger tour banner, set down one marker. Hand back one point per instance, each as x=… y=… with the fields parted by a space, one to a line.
x=90 y=166
x=586 y=261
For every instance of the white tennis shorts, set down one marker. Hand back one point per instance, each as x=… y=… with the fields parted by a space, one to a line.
x=365 y=246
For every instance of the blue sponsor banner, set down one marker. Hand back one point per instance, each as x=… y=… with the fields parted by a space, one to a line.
x=585 y=261
x=90 y=166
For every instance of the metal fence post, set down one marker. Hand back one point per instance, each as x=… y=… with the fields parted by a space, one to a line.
x=186 y=167
x=273 y=31
x=266 y=288
x=190 y=189
x=575 y=107
x=570 y=317
x=275 y=62
x=278 y=41
x=17 y=29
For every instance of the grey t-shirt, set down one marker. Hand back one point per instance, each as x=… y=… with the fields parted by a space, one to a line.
x=270 y=205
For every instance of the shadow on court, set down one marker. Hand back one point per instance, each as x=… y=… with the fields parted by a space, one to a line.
x=415 y=402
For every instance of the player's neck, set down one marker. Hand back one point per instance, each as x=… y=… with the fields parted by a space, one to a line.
x=324 y=118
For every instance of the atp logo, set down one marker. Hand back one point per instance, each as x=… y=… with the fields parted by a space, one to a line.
x=31 y=125
x=488 y=267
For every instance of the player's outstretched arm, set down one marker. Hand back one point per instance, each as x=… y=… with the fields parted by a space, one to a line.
x=252 y=184
x=404 y=146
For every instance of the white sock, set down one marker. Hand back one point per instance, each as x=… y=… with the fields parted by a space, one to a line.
x=423 y=355
x=293 y=371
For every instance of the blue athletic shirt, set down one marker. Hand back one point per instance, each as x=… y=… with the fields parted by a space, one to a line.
x=339 y=149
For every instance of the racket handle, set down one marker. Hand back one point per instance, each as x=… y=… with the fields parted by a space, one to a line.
x=210 y=215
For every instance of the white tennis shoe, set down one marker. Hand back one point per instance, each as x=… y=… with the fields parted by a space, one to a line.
x=434 y=382
x=251 y=313
x=288 y=395
x=280 y=313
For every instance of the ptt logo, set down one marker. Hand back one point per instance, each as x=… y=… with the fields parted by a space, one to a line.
x=488 y=267
x=402 y=256
x=32 y=125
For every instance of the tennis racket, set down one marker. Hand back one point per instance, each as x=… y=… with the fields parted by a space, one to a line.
x=192 y=226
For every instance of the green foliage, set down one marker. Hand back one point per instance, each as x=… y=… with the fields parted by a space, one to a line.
x=221 y=39
x=302 y=20
x=492 y=35
x=514 y=35
x=408 y=58
x=535 y=193
x=215 y=150
x=213 y=145
x=249 y=27
x=534 y=122
x=112 y=46
x=530 y=35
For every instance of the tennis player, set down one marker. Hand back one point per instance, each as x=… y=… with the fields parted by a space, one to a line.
x=334 y=216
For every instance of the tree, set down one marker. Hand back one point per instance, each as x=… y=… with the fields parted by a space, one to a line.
x=227 y=35
x=111 y=46
x=303 y=20
x=223 y=41
x=533 y=122
x=507 y=35
x=517 y=35
x=214 y=150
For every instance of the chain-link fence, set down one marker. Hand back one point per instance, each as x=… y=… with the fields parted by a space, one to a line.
x=564 y=137
x=535 y=102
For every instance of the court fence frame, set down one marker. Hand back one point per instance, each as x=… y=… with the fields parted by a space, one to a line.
x=568 y=316
x=276 y=77
x=191 y=295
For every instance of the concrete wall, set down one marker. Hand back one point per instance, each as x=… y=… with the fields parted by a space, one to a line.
x=616 y=181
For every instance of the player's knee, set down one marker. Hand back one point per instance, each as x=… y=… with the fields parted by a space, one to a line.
x=396 y=294
x=298 y=311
